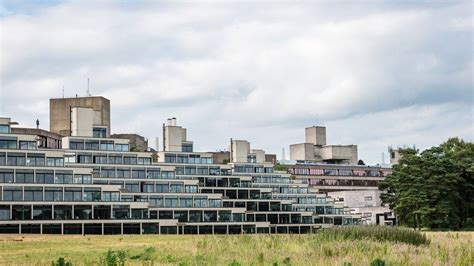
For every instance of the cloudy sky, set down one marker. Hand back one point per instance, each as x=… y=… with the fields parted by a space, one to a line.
x=376 y=74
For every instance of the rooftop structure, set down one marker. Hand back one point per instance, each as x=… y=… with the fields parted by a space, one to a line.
x=80 y=116
x=95 y=184
x=315 y=149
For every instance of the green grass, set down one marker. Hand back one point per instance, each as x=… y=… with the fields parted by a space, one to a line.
x=445 y=248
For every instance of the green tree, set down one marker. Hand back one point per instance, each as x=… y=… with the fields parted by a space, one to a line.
x=434 y=188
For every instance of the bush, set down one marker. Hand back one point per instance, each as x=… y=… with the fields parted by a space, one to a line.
x=378 y=233
x=114 y=258
x=377 y=262
x=61 y=262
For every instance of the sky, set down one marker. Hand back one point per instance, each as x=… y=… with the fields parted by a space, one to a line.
x=375 y=73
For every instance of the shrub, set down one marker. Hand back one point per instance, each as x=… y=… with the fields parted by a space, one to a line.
x=378 y=233
x=114 y=258
x=61 y=262
x=377 y=262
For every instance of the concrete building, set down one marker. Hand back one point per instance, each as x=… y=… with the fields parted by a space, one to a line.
x=368 y=204
x=315 y=149
x=221 y=157
x=137 y=142
x=72 y=116
x=45 y=139
x=394 y=155
x=94 y=184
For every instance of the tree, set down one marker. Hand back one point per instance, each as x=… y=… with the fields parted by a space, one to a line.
x=434 y=188
x=360 y=162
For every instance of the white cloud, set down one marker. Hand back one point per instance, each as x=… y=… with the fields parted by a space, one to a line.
x=259 y=71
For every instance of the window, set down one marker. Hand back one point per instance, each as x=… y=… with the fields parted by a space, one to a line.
x=35 y=159
x=176 y=188
x=121 y=147
x=27 y=145
x=144 y=161
x=63 y=177
x=42 y=212
x=7 y=143
x=91 y=194
x=138 y=173
x=170 y=158
x=84 y=158
x=187 y=147
x=100 y=159
x=6 y=176
x=132 y=186
x=369 y=198
x=153 y=173
x=110 y=196
x=123 y=173
x=129 y=160
x=44 y=177
x=107 y=145
x=4 y=129
x=33 y=194
x=98 y=132
x=162 y=188
x=53 y=194
x=72 y=194
x=106 y=172
x=3 y=158
x=24 y=176
x=115 y=159
x=91 y=145
x=16 y=159
x=55 y=161
x=76 y=144
x=82 y=179
x=12 y=194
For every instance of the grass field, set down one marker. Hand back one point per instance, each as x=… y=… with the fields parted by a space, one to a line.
x=446 y=248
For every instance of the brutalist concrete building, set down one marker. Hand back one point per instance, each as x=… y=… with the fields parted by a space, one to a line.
x=94 y=184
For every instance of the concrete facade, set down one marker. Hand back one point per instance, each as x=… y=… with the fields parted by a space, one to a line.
x=367 y=203
x=60 y=113
x=174 y=136
x=315 y=149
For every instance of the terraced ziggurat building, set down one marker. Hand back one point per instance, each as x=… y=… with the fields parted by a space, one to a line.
x=76 y=179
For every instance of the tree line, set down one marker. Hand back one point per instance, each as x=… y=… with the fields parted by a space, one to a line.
x=433 y=189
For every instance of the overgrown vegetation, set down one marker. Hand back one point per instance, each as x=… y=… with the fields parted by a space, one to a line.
x=280 y=167
x=433 y=189
x=315 y=249
x=377 y=233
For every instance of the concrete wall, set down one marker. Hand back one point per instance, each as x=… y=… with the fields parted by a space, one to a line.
x=174 y=137
x=302 y=151
x=260 y=155
x=82 y=120
x=315 y=135
x=60 y=118
x=339 y=152
x=359 y=198
x=240 y=149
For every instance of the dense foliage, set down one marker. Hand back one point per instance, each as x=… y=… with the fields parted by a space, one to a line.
x=435 y=188
x=378 y=233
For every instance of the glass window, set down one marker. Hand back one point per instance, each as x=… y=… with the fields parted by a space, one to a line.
x=3 y=158
x=53 y=194
x=91 y=145
x=121 y=147
x=27 y=145
x=91 y=194
x=24 y=176
x=84 y=158
x=98 y=132
x=55 y=161
x=176 y=188
x=35 y=159
x=7 y=143
x=44 y=177
x=76 y=144
x=6 y=176
x=72 y=194
x=16 y=159
x=33 y=194
x=129 y=160
x=107 y=145
x=12 y=194
x=4 y=129
x=63 y=177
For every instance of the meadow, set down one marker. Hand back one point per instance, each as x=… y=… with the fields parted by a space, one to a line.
x=331 y=248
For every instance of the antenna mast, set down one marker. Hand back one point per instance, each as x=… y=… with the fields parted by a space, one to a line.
x=88 y=92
